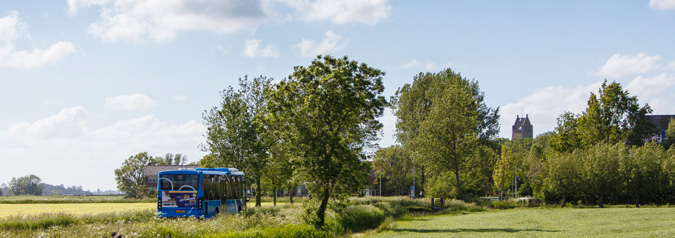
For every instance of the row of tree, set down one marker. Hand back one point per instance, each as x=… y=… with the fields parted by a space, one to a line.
x=317 y=126
x=448 y=148
x=26 y=185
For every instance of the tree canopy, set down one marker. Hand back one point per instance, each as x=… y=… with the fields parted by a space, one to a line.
x=236 y=133
x=611 y=116
x=26 y=185
x=327 y=112
x=442 y=120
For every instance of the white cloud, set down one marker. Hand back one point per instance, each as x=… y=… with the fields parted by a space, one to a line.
x=622 y=65
x=341 y=12
x=12 y=30
x=643 y=87
x=331 y=44
x=130 y=102
x=656 y=91
x=388 y=121
x=180 y=98
x=412 y=64
x=88 y=156
x=662 y=4
x=161 y=20
x=68 y=123
x=429 y=65
x=74 y=5
x=253 y=50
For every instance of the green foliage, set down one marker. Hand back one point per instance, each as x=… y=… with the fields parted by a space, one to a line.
x=442 y=122
x=327 y=113
x=504 y=204
x=129 y=176
x=235 y=136
x=646 y=176
x=504 y=171
x=392 y=165
x=670 y=134
x=360 y=217
x=562 y=176
x=612 y=116
x=26 y=185
x=600 y=170
x=170 y=159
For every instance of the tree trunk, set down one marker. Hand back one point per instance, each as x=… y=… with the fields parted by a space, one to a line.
x=459 y=189
x=257 y=193
x=422 y=182
x=321 y=213
x=601 y=200
x=275 y=196
x=290 y=194
x=637 y=200
x=562 y=203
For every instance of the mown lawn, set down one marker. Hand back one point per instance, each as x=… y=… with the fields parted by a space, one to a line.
x=539 y=222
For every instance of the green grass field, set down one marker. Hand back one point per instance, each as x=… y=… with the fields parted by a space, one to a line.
x=536 y=222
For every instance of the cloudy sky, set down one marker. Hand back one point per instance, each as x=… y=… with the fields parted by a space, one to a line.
x=88 y=83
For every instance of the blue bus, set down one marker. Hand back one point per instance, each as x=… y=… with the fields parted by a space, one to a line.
x=201 y=192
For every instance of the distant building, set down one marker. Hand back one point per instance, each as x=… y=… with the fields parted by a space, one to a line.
x=152 y=171
x=522 y=128
x=661 y=122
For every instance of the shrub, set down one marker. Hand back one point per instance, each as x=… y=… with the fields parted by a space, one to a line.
x=359 y=218
x=503 y=205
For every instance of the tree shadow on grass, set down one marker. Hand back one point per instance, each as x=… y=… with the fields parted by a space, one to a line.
x=510 y=230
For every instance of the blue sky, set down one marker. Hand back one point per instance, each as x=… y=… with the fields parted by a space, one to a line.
x=88 y=83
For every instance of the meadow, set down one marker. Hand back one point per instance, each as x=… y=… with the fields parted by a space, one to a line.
x=370 y=217
x=540 y=222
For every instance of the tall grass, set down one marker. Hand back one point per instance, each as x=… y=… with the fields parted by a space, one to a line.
x=355 y=215
x=32 y=199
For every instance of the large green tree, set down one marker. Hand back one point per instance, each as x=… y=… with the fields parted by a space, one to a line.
x=646 y=176
x=562 y=176
x=129 y=176
x=328 y=113
x=413 y=104
x=393 y=170
x=600 y=171
x=26 y=185
x=504 y=171
x=611 y=116
x=236 y=133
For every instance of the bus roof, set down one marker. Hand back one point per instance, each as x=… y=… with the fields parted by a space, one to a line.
x=212 y=171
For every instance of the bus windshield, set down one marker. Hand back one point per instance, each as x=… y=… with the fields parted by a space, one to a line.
x=179 y=182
